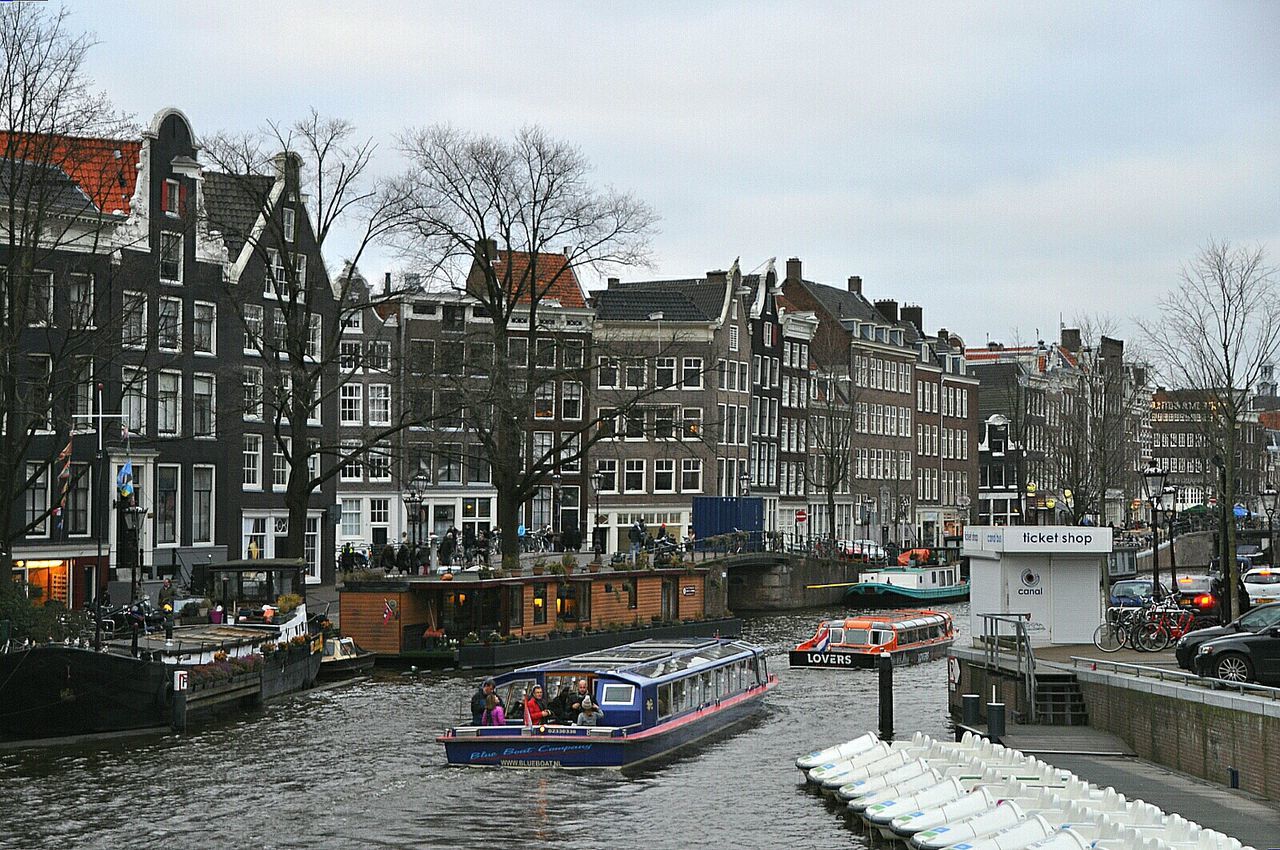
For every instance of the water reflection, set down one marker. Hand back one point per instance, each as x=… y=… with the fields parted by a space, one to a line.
x=359 y=767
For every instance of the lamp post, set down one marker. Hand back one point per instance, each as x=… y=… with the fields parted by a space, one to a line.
x=744 y=484
x=867 y=504
x=597 y=533
x=133 y=520
x=1029 y=514
x=555 y=507
x=1169 y=502
x=413 y=497
x=1153 y=478
x=1269 y=496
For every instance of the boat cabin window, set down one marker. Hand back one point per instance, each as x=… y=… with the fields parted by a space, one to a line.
x=880 y=637
x=617 y=695
x=857 y=637
x=837 y=635
x=513 y=695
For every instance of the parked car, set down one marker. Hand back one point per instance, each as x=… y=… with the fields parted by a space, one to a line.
x=1200 y=593
x=868 y=550
x=1262 y=584
x=1242 y=657
x=1132 y=592
x=1258 y=620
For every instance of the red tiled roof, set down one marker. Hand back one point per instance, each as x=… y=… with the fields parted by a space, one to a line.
x=555 y=279
x=1270 y=419
x=91 y=163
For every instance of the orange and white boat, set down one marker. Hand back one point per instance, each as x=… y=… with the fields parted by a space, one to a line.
x=909 y=637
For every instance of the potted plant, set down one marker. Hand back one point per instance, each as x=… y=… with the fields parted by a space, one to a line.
x=593 y=566
x=568 y=563
x=642 y=561
x=557 y=569
x=539 y=567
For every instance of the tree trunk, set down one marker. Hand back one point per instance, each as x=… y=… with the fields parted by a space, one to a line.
x=297 y=499
x=1231 y=569
x=509 y=522
x=831 y=514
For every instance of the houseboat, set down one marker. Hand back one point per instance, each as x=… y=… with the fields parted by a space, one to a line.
x=655 y=696
x=896 y=585
x=59 y=690
x=909 y=637
x=494 y=619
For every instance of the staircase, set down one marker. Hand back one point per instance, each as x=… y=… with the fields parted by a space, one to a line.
x=1059 y=701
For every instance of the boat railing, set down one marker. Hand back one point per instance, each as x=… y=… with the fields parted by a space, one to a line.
x=1005 y=639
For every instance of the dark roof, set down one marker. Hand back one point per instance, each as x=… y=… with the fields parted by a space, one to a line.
x=233 y=203
x=706 y=296
x=48 y=186
x=638 y=304
x=848 y=306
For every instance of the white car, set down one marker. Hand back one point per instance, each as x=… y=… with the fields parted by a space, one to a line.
x=1263 y=585
x=868 y=549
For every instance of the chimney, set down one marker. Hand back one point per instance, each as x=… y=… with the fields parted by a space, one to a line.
x=855 y=284
x=718 y=276
x=914 y=314
x=944 y=335
x=888 y=308
x=1071 y=339
x=386 y=283
x=612 y=282
x=568 y=250
x=793 y=269
x=490 y=247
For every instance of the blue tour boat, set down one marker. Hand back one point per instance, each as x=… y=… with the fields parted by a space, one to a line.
x=655 y=697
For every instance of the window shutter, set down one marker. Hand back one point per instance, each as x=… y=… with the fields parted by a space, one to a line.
x=182 y=199
x=164 y=196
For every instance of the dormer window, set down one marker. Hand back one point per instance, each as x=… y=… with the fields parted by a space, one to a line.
x=172 y=197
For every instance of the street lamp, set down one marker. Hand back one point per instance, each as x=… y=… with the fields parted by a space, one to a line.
x=597 y=533
x=1030 y=510
x=555 y=507
x=413 y=497
x=1269 y=505
x=133 y=520
x=744 y=484
x=1169 y=502
x=1153 y=478
x=867 y=504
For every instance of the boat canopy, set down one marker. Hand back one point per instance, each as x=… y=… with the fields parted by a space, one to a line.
x=904 y=620
x=647 y=660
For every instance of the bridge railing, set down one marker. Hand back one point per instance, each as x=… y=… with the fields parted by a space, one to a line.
x=1181 y=677
x=1005 y=638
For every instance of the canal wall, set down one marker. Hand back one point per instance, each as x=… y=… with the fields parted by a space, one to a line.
x=1201 y=732
x=785 y=584
x=1192 y=552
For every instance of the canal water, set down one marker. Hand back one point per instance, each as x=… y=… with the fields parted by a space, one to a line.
x=359 y=767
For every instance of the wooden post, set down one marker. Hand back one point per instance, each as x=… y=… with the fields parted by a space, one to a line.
x=180 y=700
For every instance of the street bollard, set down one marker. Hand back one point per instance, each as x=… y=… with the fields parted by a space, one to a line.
x=970 y=709
x=995 y=721
x=1233 y=777
x=885 y=666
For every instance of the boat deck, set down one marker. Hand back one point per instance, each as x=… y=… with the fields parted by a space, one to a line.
x=191 y=639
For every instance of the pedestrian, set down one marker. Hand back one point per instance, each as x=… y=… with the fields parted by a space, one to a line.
x=168 y=623
x=446 y=549
x=168 y=593
x=468 y=544
x=404 y=559
x=493 y=713
x=479 y=702
x=636 y=537
x=387 y=560
x=348 y=559
x=589 y=715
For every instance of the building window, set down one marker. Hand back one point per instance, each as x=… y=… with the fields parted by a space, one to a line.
x=313 y=335
x=351 y=517
x=544 y=400
x=380 y=463
x=571 y=400
x=608 y=470
x=380 y=356
x=665 y=374
x=172 y=198
x=203 y=323
x=252 y=328
x=37 y=500
x=80 y=298
x=252 y=379
x=607 y=374
x=379 y=404
x=274 y=280
x=353 y=466
x=77 y=509
x=518 y=351
x=252 y=461
x=169 y=329
x=202 y=504
x=692 y=428
x=733 y=338
x=570 y=454
x=280 y=463
x=202 y=405
x=84 y=392
x=691 y=475
x=168 y=403
x=664 y=423
x=546 y=354
x=634 y=374
x=133 y=400
x=350 y=356
x=167 y=503
x=170 y=257
x=133 y=332
x=633 y=479
x=664 y=476
x=288 y=223
x=571 y=353
x=350 y=402
x=543 y=501
x=691 y=374
x=380 y=511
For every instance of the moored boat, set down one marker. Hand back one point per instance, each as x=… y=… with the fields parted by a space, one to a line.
x=655 y=696
x=344 y=658
x=910 y=584
x=908 y=637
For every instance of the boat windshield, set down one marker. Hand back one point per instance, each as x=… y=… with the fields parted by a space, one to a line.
x=880 y=638
x=856 y=637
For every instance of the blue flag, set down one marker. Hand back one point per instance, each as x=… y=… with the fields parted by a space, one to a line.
x=124 y=482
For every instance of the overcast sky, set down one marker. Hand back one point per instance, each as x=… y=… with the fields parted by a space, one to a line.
x=1004 y=165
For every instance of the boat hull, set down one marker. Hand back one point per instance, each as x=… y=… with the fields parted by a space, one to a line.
x=345 y=668
x=834 y=659
x=574 y=747
x=889 y=594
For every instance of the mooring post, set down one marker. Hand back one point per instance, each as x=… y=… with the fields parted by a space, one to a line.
x=995 y=721
x=970 y=709
x=180 y=700
x=885 y=666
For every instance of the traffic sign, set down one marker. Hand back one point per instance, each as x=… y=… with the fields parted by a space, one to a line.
x=802 y=516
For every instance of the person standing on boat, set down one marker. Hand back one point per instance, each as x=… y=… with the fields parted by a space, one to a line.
x=168 y=593
x=579 y=699
x=535 y=708
x=493 y=713
x=479 y=702
x=636 y=537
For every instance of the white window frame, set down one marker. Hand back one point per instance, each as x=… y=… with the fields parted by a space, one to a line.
x=84 y=319
x=213 y=405
x=251 y=444
x=253 y=412
x=168 y=299
x=696 y=363
x=172 y=197
x=631 y=466
x=177 y=410
x=288 y=223
x=280 y=462
x=166 y=238
x=690 y=466
x=380 y=471
x=351 y=401
x=177 y=508
x=213 y=502
x=132 y=296
x=254 y=315
x=664 y=466
x=379 y=417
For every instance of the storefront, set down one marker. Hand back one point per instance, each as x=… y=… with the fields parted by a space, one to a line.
x=63 y=579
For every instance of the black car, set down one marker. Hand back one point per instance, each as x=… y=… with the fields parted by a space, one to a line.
x=1252 y=622
x=1246 y=657
x=1200 y=594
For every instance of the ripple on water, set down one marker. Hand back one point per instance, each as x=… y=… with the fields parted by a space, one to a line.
x=359 y=767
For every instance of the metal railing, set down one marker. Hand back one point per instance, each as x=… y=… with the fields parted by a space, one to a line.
x=996 y=647
x=1139 y=671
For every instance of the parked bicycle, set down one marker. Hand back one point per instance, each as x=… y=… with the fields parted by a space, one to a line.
x=1149 y=627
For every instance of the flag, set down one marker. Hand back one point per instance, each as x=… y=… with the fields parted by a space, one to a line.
x=64 y=476
x=124 y=481
x=823 y=642
x=388 y=612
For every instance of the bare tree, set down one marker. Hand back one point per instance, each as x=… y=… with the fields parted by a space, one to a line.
x=64 y=187
x=1216 y=331
x=485 y=215
x=831 y=420
x=282 y=194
